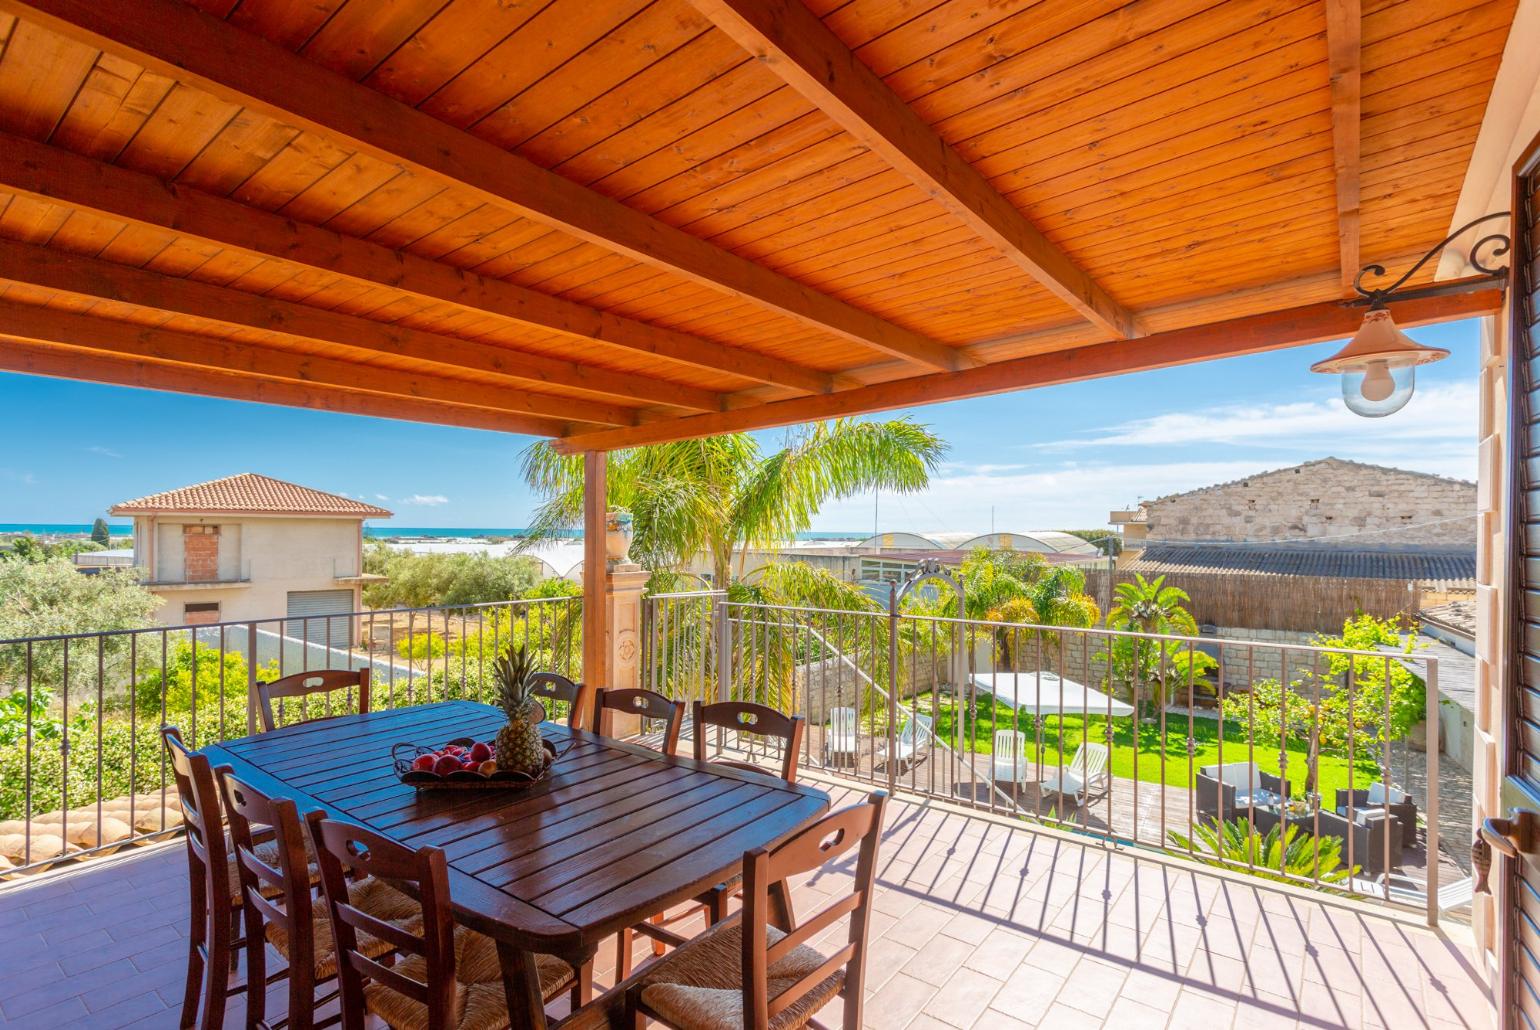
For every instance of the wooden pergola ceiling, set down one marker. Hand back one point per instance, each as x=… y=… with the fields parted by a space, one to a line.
x=638 y=220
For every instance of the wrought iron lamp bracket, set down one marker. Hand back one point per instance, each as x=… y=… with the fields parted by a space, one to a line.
x=1499 y=243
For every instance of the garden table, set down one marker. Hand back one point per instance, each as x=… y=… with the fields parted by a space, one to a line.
x=616 y=833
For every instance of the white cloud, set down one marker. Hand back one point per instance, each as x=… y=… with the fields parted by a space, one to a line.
x=1442 y=411
x=381 y=497
x=426 y=500
x=106 y=452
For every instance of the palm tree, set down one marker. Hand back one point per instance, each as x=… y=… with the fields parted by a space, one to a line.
x=1057 y=598
x=1149 y=606
x=721 y=495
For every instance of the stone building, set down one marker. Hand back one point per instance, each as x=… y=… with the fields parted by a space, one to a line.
x=1325 y=503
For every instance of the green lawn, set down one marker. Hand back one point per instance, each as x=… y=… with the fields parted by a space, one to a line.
x=1145 y=761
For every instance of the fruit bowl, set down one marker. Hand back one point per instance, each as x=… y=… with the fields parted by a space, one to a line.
x=462 y=764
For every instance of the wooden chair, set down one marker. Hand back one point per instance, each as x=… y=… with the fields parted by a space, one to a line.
x=648 y=704
x=738 y=717
x=213 y=930
x=279 y=906
x=302 y=684
x=450 y=976
x=759 y=720
x=555 y=687
x=743 y=972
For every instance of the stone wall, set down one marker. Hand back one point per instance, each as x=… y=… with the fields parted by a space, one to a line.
x=1321 y=501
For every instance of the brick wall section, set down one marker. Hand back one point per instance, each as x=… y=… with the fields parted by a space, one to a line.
x=200 y=553
x=1319 y=501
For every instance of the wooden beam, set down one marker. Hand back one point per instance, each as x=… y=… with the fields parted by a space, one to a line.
x=174 y=39
x=105 y=280
x=131 y=340
x=794 y=42
x=57 y=176
x=71 y=363
x=596 y=602
x=1251 y=335
x=1344 y=55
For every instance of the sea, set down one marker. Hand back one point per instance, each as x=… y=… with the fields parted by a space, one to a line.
x=458 y=533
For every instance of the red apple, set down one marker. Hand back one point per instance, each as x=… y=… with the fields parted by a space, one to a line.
x=453 y=749
x=481 y=751
x=424 y=763
x=446 y=764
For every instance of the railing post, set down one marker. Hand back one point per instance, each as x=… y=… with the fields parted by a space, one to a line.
x=723 y=631
x=1430 y=750
x=892 y=762
x=251 y=677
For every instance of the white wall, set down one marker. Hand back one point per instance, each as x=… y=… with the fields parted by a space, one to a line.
x=277 y=555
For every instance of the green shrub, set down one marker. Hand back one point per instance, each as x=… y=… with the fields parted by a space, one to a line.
x=1284 y=853
x=420 y=647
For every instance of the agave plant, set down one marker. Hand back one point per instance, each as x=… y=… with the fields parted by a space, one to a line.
x=1285 y=852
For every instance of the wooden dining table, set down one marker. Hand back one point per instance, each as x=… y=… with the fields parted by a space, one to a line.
x=615 y=833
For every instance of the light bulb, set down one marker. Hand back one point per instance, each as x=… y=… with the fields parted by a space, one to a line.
x=1380 y=389
x=1377 y=384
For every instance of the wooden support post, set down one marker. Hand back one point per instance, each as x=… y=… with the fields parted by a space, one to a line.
x=596 y=648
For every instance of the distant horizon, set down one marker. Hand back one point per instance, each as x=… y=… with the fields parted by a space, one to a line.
x=126 y=529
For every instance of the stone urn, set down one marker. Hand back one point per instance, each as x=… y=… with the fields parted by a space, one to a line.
x=617 y=537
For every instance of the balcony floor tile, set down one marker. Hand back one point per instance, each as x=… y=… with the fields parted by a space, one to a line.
x=977 y=924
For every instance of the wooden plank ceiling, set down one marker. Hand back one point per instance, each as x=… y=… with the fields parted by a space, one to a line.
x=637 y=220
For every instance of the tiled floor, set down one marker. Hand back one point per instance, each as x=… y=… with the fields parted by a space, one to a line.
x=978 y=924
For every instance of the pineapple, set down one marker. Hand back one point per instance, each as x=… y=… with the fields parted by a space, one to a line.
x=518 y=743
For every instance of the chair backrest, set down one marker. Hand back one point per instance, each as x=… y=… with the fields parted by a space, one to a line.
x=649 y=704
x=1009 y=745
x=246 y=807
x=302 y=684
x=1090 y=760
x=553 y=686
x=1243 y=776
x=842 y=720
x=1379 y=794
x=745 y=717
x=345 y=848
x=920 y=729
x=859 y=825
x=201 y=814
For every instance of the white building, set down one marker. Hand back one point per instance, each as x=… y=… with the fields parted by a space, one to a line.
x=252 y=547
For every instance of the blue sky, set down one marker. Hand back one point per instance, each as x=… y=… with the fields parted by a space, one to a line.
x=1059 y=457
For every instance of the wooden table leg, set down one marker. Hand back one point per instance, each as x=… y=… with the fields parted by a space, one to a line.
x=781 y=916
x=521 y=986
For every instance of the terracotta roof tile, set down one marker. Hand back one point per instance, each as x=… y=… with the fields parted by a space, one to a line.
x=250 y=494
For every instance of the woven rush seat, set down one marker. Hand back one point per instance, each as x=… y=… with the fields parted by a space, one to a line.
x=268 y=853
x=370 y=895
x=480 y=1002
x=700 y=985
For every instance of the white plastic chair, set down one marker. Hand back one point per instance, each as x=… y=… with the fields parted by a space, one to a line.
x=912 y=742
x=1451 y=896
x=839 y=736
x=1010 y=757
x=1083 y=777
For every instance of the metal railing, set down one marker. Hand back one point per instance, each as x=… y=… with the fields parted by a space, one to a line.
x=82 y=768
x=1213 y=747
